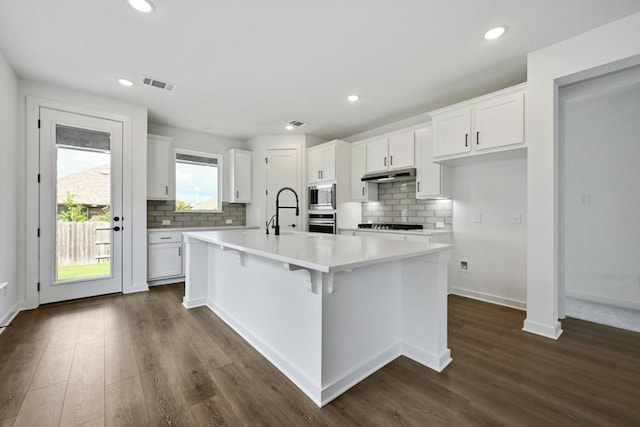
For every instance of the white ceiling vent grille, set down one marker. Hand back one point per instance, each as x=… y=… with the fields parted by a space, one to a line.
x=158 y=83
x=296 y=123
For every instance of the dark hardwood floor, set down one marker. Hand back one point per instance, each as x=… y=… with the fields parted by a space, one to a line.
x=143 y=360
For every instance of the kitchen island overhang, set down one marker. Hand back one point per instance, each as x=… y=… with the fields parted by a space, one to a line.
x=326 y=310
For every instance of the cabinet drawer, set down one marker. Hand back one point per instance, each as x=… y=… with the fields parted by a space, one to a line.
x=165 y=237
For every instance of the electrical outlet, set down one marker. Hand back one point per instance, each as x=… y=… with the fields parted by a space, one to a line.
x=517 y=218
x=3 y=288
x=439 y=224
x=464 y=265
x=477 y=218
x=229 y=221
x=166 y=222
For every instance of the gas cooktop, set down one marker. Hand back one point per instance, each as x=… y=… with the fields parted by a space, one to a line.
x=391 y=226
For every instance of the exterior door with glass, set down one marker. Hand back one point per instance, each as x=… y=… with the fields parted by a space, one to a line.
x=80 y=206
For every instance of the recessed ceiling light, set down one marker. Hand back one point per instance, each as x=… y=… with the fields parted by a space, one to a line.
x=288 y=127
x=125 y=82
x=353 y=98
x=494 y=33
x=143 y=6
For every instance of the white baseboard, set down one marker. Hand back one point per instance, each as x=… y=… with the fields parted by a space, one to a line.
x=137 y=288
x=435 y=362
x=507 y=302
x=601 y=299
x=8 y=318
x=199 y=302
x=548 y=331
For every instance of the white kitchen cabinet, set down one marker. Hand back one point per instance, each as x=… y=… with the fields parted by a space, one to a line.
x=432 y=179
x=487 y=124
x=236 y=185
x=165 y=258
x=158 y=149
x=322 y=163
x=361 y=191
x=393 y=152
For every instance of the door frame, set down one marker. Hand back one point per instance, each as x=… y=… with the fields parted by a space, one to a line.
x=31 y=194
x=51 y=288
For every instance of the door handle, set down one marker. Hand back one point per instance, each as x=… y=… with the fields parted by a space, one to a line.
x=293 y=225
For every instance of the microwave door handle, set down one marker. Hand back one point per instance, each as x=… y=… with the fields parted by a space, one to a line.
x=333 y=196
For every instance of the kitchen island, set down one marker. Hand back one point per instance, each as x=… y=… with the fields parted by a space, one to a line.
x=326 y=310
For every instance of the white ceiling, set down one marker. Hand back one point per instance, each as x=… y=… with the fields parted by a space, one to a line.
x=247 y=67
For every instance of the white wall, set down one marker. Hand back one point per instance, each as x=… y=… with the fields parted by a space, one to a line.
x=610 y=47
x=134 y=181
x=495 y=248
x=9 y=188
x=600 y=133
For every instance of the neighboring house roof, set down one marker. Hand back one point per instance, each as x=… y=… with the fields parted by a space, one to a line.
x=88 y=187
x=208 y=205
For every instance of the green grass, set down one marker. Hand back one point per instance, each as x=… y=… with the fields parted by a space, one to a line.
x=66 y=272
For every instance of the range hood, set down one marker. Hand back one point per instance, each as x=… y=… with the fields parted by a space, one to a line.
x=408 y=174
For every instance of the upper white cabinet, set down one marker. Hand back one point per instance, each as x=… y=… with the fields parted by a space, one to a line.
x=236 y=186
x=393 y=152
x=322 y=163
x=487 y=124
x=158 y=149
x=361 y=191
x=432 y=179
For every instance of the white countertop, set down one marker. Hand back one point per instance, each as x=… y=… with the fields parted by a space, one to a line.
x=321 y=252
x=422 y=232
x=203 y=228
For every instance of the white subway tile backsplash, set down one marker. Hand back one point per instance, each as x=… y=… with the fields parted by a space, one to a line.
x=398 y=204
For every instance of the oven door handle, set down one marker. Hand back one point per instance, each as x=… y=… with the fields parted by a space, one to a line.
x=314 y=222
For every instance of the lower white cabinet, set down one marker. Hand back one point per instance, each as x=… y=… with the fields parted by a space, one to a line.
x=165 y=255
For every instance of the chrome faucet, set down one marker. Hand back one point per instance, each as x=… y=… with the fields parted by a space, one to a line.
x=278 y=207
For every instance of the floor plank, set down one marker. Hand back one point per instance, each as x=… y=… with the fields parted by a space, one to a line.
x=142 y=359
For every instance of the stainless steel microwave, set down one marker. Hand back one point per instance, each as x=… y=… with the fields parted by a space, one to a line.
x=322 y=196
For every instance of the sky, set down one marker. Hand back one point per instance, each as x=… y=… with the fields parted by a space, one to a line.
x=71 y=161
x=195 y=183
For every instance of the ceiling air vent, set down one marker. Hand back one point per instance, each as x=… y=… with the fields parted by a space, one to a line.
x=158 y=83
x=296 y=123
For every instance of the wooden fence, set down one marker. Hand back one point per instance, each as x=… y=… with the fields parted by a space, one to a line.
x=82 y=243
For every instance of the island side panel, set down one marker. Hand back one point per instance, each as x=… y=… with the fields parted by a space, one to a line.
x=196 y=274
x=273 y=309
x=424 y=309
x=361 y=325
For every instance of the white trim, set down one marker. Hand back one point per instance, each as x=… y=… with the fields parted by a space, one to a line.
x=549 y=331
x=219 y=158
x=136 y=289
x=32 y=275
x=13 y=312
x=601 y=299
x=493 y=299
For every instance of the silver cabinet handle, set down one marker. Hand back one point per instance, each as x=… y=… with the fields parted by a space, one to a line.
x=237 y=194
x=166 y=190
x=391 y=160
x=418 y=186
x=385 y=160
x=478 y=138
x=179 y=250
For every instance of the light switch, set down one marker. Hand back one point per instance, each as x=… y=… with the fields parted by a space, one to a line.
x=477 y=218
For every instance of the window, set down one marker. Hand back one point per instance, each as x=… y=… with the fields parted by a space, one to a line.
x=197 y=182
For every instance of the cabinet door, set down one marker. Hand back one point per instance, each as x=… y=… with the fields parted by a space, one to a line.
x=242 y=178
x=158 y=168
x=402 y=151
x=314 y=165
x=377 y=153
x=165 y=260
x=429 y=180
x=328 y=172
x=499 y=122
x=452 y=132
x=361 y=191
